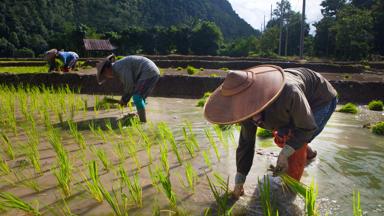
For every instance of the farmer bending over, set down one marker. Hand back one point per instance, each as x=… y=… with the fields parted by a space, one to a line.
x=138 y=74
x=69 y=59
x=295 y=103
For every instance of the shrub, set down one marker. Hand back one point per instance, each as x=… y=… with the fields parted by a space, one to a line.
x=192 y=70
x=24 y=53
x=348 y=108
x=376 y=105
x=261 y=132
x=201 y=101
x=179 y=68
x=378 y=128
x=213 y=75
x=201 y=69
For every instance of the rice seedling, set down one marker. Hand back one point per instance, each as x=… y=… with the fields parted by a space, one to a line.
x=22 y=180
x=4 y=167
x=164 y=157
x=165 y=181
x=79 y=138
x=10 y=201
x=166 y=132
x=231 y=137
x=156 y=209
x=212 y=142
x=33 y=155
x=31 y=150
x=220 y=192
x=101 y=154
x=192 y=136
x=219 y=134
x=64 y=167
x=132 y=148
x=100 y=133
x=207 y=160
x=119 y=208
x=357 y=210
x=92 y=186
x=95 y=107
x=118 y=149
x=188 y=143
x=191 y=176
x=10 y=113
x=133 y=185
x=310 y=200
x=63 y=173
x=7 y=146
x=267 y=203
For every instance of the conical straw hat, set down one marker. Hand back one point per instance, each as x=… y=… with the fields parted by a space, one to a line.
x=244 y=94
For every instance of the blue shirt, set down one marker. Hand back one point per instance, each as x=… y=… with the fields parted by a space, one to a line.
x=67 y=57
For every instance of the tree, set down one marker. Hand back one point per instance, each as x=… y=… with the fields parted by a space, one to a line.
x=325 y=38
x=378 y=29
x=206 y=38
x=269 y=42
x=331 y=7
x=242 y=47
x=6 y=48
x=181 y=37
x=353 y=33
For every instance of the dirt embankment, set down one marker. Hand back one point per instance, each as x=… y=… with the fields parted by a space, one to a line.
x=178 y=85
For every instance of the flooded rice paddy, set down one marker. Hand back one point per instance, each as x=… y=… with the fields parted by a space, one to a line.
x=349 y=157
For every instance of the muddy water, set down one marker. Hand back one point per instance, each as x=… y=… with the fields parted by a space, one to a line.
x=349 y=157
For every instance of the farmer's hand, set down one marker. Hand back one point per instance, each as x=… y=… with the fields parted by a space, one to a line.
x=238 y=191
x=282 y=160
x=282 y=164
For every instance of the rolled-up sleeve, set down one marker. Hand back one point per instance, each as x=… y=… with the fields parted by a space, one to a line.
x=302 y=120
x=246 y=149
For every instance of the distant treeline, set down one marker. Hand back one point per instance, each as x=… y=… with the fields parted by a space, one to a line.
x=31 y=27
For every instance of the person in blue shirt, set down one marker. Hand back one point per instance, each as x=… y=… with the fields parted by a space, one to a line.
x=69 y=59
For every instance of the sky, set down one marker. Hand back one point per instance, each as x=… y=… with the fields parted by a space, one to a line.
x=252 y=11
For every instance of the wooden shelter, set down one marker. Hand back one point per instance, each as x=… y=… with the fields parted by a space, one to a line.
x=97 y=48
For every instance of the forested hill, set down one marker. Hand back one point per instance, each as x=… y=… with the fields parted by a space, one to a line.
x=32 y=23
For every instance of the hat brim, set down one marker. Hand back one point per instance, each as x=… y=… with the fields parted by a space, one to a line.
x=220 y=109
x=99 y=76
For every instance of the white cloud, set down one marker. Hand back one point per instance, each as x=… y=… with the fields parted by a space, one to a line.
x=253 y=11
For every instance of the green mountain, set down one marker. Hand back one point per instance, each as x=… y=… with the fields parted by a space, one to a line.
x=31 y=23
